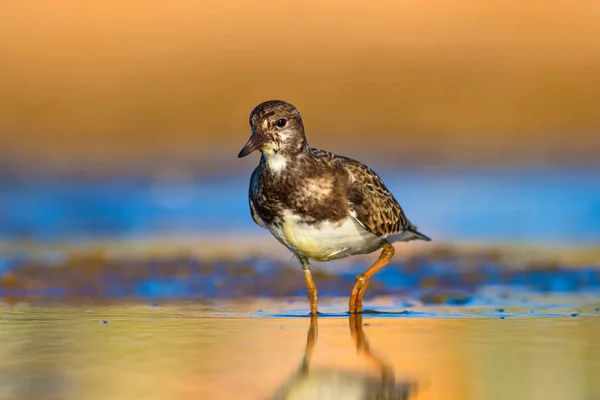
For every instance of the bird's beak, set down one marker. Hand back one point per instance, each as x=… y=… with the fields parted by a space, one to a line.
x=256 y=140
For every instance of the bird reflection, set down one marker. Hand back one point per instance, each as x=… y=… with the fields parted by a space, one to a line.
x=337 y=383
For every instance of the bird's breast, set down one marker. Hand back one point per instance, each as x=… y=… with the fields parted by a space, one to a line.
x=323 y=240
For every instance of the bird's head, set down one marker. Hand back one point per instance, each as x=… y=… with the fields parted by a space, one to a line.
x=276 y=129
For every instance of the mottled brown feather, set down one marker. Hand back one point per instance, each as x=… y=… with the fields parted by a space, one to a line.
x=316 y=186
x=377 y=210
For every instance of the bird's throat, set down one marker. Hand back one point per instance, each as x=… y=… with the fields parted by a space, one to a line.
x=276 y=162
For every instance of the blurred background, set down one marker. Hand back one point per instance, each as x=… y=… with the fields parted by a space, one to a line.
x=121 y=88
x=121 y=196
x=125 y=118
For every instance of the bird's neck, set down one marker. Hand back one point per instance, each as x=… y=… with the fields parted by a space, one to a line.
x=279 y=161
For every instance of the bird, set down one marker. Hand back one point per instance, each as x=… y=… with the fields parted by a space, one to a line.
x=320 y=205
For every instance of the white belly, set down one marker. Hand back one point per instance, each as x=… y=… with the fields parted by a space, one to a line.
x=325 y=241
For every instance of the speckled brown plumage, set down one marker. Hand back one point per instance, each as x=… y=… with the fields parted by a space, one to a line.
x=320 y=205
x=271 y=194
x=376 y=207
x=354 y=186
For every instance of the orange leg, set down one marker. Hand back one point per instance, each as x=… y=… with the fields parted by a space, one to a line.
x=362 y=281
x=311 y=289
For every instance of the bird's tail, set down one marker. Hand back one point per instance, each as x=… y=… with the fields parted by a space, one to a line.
x=411 y=233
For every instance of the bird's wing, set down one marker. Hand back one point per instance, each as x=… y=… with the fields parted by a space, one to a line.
x=372 y=204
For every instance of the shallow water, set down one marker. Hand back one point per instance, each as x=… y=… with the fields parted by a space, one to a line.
x=230 y=350
x=123 y=320
x=443 y=323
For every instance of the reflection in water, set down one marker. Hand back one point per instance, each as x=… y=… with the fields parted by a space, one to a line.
x=192 y=351
x=337 y=383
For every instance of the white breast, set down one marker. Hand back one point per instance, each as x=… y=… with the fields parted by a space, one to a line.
x=326 y=240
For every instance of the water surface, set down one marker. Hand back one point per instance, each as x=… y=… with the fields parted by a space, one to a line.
x=117 y=320
x=183 y=351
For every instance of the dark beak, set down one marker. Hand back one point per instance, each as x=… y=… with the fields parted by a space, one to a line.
x=256 y=140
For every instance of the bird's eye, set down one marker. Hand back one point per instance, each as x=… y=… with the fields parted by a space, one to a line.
x=281 y=122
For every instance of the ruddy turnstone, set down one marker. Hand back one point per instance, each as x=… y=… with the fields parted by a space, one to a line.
x=320 y=205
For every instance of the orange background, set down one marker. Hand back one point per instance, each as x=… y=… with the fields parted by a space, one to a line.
x=131 y=86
